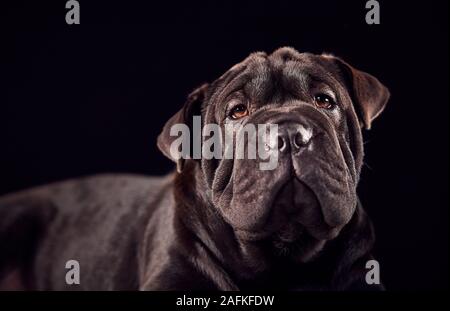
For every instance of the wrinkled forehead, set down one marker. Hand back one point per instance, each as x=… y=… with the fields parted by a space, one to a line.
x=284 y=72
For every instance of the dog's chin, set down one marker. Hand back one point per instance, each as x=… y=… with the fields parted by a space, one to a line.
x=295 y=243
x=304 y=233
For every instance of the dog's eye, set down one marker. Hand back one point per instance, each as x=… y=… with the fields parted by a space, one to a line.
x=238 y=112
x=324 y=101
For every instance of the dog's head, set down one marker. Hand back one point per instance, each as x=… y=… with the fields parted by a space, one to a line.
x=319 y=104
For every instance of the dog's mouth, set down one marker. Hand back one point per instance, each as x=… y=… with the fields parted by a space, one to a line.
x=303 y=231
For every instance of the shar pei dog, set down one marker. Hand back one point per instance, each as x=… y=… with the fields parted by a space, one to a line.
x=218 y=224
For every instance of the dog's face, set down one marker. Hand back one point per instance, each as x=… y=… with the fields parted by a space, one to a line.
x=319 y=104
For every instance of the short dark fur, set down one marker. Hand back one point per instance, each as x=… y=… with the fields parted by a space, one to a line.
x=216 y=224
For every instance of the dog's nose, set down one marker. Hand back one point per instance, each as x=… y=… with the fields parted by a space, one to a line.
x=295 y=137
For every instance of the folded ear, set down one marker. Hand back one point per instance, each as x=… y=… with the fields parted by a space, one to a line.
x=368 y=94
x=191 y=107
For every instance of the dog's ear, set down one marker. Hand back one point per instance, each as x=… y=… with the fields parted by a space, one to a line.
x=368 y=94
x=185 y=116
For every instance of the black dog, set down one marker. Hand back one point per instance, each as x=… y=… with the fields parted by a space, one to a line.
x=218 y=224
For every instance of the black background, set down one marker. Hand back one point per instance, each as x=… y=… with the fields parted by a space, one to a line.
x=90 y=98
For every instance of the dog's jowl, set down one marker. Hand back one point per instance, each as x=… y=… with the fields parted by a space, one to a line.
x=219 y=222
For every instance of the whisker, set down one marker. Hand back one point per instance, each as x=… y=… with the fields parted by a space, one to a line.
x=367 y=165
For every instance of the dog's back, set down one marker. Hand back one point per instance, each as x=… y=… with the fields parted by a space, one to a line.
x=93 y=220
